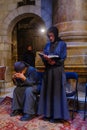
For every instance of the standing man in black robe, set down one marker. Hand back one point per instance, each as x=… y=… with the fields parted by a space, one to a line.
x=53 y=102
x=29 y=56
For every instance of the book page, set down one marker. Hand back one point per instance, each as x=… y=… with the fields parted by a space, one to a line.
x=49 y=56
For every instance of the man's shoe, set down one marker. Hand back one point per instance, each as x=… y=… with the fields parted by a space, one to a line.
x=46 y=118
x=27 y=117
x=16 y=112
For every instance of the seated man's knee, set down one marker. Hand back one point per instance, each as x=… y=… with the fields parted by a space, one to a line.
x=16 y=90
x=29 y=90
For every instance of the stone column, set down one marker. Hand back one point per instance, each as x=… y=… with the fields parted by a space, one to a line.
x=70 y=16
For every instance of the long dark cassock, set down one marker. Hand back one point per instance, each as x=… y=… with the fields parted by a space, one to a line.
x=53 y=102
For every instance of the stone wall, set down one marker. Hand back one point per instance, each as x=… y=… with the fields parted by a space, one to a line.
x=5 y=44
x=9 y=15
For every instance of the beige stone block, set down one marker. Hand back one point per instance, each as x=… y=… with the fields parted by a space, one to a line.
x=4 y=39
x=1 y=1
x=6 y=58
x=75 y=25
x=6 y=55
x=7 y=61
x=38 y=61
x=3 y=32
x=7 y=47
x=0 y=40
x=17 y=0
x=30 y=8
x=2 y=16
x=38 y=10
x=12 y=6
x=8 y=78
x=20 y=10
x=7 y=21
x=5 y=13
x=8 y=75
x=14 y=13
x=77 y=50
x=38 y=3
x=1 y=48
x=76 y=56
x=77 y=44
x=76 y=60
x=2 y=7
x=11 y=17
x=12 y=1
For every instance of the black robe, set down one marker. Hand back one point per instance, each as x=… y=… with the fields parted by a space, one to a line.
x=53 y=101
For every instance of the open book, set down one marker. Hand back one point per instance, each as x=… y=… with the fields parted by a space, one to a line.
x=49 y=56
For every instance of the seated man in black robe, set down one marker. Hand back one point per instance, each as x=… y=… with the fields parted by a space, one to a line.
x=26 y=80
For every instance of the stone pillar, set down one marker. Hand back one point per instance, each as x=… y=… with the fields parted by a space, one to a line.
x=70 y=16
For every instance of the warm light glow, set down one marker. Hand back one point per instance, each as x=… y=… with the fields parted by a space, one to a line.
x=42 y=30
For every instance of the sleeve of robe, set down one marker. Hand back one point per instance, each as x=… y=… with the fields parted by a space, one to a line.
x=31 y=77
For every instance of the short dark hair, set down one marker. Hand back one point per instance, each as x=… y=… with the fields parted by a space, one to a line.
x=20 y=65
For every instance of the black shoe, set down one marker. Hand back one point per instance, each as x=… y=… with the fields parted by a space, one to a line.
x=27 y=117
x=46 y=118
x=16 y=112
x=59 y=121
x=54 y=121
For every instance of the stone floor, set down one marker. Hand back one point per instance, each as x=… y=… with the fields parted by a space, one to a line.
x=6 y=92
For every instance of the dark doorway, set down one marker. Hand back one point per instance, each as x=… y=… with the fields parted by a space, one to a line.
x=27 y=31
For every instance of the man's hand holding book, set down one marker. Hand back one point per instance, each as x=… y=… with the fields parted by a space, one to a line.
x=49 y=58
